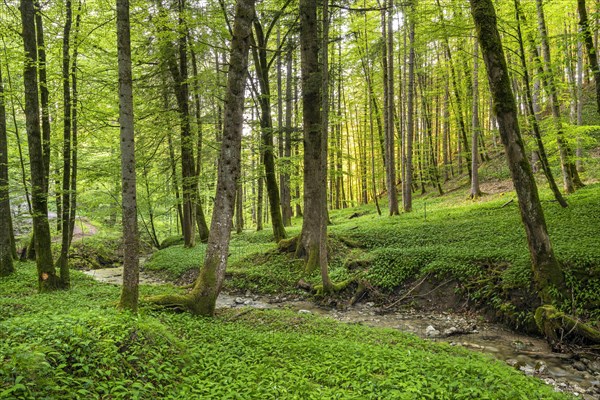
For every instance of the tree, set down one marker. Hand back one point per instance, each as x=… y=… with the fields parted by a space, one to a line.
x=547 y=272
x=262 y=65
x=475 y=190
x=592 y=54
x=129 y=292
x=312 y=243
x=202 y=299
x=571 y=179
x=47 y=278
x=408 y=160
x=6 y=231
x=390 y=159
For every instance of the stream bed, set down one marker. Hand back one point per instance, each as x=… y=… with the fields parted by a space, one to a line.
x=577 y=374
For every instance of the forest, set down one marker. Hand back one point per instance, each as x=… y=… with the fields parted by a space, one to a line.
x=299 y=199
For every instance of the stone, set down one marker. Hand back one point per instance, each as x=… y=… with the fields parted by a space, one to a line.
x=450 y=331
x=579 y=366
x=239 y=300
x=304 y=312
x=430 y=331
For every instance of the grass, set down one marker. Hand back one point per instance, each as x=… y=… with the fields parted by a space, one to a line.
x=89 y=350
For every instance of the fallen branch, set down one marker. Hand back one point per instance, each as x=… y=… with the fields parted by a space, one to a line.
x=407 y=293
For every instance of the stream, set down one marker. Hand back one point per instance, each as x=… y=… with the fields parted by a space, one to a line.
x=577 y=374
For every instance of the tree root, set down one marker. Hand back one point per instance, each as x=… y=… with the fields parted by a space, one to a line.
x=172 y=301
x=557 y=326
x=288 y=245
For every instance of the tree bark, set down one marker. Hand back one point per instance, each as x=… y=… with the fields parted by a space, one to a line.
x=66 y=172
x=286 y=192
x=129 y=292
x=571 y=179
x=259 y=53
x=47 y=278
x=410 y=123
x=475 y=190
x=6 y=229
x=390 y=157
x=313 y=239
x=547 y=272
x=208 y=285
x=44 y=94
x=541 y=151
x=592 y=53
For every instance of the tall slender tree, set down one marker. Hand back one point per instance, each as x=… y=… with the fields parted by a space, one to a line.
x=6 y=230
x=313 y=240
x=203 y=297
x=592 y=53
x=547 y=272
x=129 y=292
x=570 y=175
x=47 y=278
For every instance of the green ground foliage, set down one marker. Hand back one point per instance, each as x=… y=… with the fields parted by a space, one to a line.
x=481 y=245
x=75 y=344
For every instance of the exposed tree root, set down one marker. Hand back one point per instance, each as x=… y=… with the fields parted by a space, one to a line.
x=172 y=301
x=557 y=326
x=288 y=245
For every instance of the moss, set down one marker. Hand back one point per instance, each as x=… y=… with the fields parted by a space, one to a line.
x=288 y=245
x=556 y=326
x=172 y=241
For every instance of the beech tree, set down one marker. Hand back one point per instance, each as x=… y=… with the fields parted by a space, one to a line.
x=129 y=292
x=6 y=255
x=312 y=244
x=47 y=277
x=547 y=271
x=202 y=299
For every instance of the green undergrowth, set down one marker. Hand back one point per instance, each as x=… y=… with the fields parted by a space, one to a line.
x=87 y=349
x=479 y=244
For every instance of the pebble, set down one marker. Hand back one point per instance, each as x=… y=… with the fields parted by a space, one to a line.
x=430 y=331
x=239 y=300
x=304 y=312
x=579 y=366
x=450 y=331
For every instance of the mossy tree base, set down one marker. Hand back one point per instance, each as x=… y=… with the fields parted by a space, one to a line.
x=189 y=303
x=558 y=326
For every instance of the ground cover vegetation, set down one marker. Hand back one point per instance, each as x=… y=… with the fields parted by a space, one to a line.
x=95 y=351
x=339 y=150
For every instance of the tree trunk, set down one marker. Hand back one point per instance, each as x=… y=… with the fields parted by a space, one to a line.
x=547 y=271
x=47 y=278
x=389 y=135
x=199 y=211
x=571 y=179
x=266 y=124
x=208 y=285
x=313 y=239
x=541 y=151
x=63 y=260
x=589 y=45
x=44 y=95
x=286 y=193
x=475 y=190
x=129 y=292
x=410 y=123
x=6 y=229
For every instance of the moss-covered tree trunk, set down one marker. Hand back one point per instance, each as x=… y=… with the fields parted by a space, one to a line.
x=589 y=46
x=129 y=292
x=6 y=230
x=259 y=53
x=202 y=299
x=47 y=278
x=570 y=175
x=313 y=239
x=535 y=126
x=547 y=272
